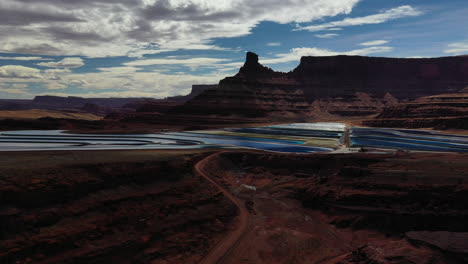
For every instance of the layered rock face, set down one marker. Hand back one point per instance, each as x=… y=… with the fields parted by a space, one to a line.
x=254 y=91
x=358 y=104
x=439 y=111
x=343 y=85
x=239 y=96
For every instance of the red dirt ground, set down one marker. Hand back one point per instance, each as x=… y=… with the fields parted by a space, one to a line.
x=348 y=208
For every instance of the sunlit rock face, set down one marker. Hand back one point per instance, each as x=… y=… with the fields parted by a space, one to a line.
x=339 y=85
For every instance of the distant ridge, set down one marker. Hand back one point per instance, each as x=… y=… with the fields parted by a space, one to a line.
x=347 y=85
x=196 y=90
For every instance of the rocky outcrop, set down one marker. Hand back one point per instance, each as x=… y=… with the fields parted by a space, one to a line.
x=442 y=111
x=342 y=85
x=236 y=96
x=254 y=91
x=253 y=70
x=453 y=242
x=358 y=104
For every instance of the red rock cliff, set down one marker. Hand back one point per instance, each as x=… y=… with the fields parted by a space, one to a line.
x=345 y=85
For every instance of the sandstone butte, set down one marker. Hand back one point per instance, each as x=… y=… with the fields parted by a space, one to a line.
x=342 y=85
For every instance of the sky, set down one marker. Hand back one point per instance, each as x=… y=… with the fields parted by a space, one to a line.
x=159 y=48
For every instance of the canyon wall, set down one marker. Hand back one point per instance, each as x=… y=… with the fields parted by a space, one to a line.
x=343 y=85
x=443 y=111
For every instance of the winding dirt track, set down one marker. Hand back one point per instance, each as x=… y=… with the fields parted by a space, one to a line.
x=222 y=250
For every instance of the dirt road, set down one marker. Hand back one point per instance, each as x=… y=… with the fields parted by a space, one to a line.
x=222 y=250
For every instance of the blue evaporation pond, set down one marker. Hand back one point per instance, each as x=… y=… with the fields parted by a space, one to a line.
x=419 y=142
x=57 y=140
x=74 y=141
x=28 y=146
x=433 y=137
x=258 y=139
x=58 y=135
x=429 y=133
x=408 y=139
x=34 y=132
x=65 y=147
x=320 y=126
x=365 y=142
x=292 y=132
x=250 y=144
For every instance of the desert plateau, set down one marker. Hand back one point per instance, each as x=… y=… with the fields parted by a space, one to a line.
x=233 y=132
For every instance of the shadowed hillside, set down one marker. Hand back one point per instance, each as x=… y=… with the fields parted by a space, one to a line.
x=343 y=85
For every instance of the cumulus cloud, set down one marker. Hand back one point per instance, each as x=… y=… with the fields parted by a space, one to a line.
x=14 y=90
x=125 y=81
x=296 y=54
x=102 y=28
x=131 y=79
x=19 y=85
x=325 y=36
x=56 y=86
x=29 y=58
x=182 y=62
x=55 y=74
x=374 y=43
x=274 y=44
x=134 y=28
x=457 y=48
x=14 y=14
x=384 y=16
x=65 y=63
x=17 y=71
